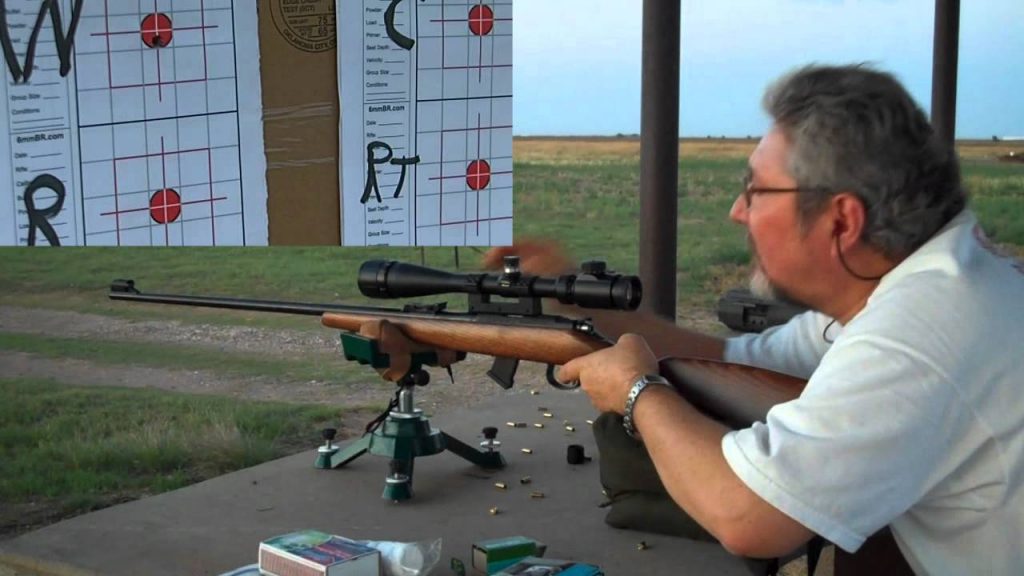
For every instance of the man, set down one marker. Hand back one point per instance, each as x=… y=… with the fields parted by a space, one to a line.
x=912 y=415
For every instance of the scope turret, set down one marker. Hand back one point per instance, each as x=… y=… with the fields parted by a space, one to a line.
x=595 y=288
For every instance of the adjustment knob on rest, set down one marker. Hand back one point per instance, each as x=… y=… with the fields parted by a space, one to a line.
x=421 y=378
x=414 y=378
x=490 y=445
x=325 y=452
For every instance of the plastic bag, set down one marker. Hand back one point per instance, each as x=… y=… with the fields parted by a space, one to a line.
x=407 y=558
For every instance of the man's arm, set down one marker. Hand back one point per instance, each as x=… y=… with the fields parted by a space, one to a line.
x=686 y=448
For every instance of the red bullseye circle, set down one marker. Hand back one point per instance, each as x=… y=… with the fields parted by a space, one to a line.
x=481 y=20
x=478 y=174
x=165 y=206
x=157 y=30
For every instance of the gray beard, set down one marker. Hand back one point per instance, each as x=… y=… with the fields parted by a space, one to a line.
x=761 y=287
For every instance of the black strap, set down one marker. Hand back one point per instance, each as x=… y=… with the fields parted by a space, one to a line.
x=814 y=548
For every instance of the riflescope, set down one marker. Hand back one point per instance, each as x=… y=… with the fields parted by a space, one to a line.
x=594 y=287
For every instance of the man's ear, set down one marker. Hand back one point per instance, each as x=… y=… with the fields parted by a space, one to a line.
x=849 y=217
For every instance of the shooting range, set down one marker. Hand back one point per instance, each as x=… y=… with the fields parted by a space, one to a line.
x=390 y=130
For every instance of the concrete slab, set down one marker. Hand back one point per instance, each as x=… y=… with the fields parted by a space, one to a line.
x=216 y=526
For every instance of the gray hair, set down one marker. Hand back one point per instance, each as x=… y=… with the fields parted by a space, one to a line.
x=856 y=129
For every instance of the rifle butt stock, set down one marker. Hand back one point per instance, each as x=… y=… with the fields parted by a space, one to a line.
x=734 y=394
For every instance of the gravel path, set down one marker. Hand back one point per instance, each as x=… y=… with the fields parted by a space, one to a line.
x=471 y=383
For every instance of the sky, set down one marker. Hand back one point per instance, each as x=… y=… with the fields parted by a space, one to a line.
x=577 y=62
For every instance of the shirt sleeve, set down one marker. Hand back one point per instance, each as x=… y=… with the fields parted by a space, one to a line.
x=859 y=447
x=793 y=348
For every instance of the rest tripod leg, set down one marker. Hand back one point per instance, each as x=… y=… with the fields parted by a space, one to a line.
x=488 y=458
x=341 y=457
x=330 y=455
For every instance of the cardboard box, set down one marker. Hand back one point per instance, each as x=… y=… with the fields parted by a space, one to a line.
x=550 y=567
x=490 y=556
x=310 y=552
x=299 y=74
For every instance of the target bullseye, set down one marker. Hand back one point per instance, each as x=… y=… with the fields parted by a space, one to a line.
x=165 y=206
x=481 y=20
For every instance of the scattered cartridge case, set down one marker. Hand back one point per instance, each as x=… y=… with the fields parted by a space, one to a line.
x=500 y=485
x=527 y=451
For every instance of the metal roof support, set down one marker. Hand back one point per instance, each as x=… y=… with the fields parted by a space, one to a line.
x=944 y=68
x=659 y=155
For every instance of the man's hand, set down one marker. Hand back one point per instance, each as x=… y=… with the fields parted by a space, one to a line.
x=607 y=375
x=399 y=348
x=537 y=257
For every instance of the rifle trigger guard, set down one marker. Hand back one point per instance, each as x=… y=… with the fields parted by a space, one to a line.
x=550 y=373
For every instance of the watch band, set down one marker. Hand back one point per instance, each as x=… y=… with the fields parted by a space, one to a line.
x=639 y=386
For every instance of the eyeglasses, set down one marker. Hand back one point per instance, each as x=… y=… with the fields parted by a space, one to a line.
x=749 y=189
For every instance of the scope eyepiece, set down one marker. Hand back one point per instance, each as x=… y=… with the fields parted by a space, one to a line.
x=595 y=288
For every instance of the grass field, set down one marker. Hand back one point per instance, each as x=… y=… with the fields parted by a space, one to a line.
x=66 y=449
x=582 y=192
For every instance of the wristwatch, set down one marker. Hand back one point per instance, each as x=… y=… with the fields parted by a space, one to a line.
x=639 y=386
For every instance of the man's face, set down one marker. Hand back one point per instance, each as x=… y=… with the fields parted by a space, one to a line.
x=784 y=253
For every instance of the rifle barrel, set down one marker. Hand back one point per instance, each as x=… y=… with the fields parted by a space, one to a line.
x=125 y=290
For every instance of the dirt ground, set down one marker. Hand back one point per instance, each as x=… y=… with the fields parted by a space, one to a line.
x=470 y=386
x=470 y=383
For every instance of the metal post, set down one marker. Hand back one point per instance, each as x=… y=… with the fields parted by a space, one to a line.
x=944 y=68
x=659 y=155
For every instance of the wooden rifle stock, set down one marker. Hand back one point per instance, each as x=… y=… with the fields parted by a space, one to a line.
x=734 y=394
x=536 y=344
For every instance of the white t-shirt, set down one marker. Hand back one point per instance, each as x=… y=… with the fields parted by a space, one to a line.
x=913 y=417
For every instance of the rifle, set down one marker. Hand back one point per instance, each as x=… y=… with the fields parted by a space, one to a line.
x=511 y=330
